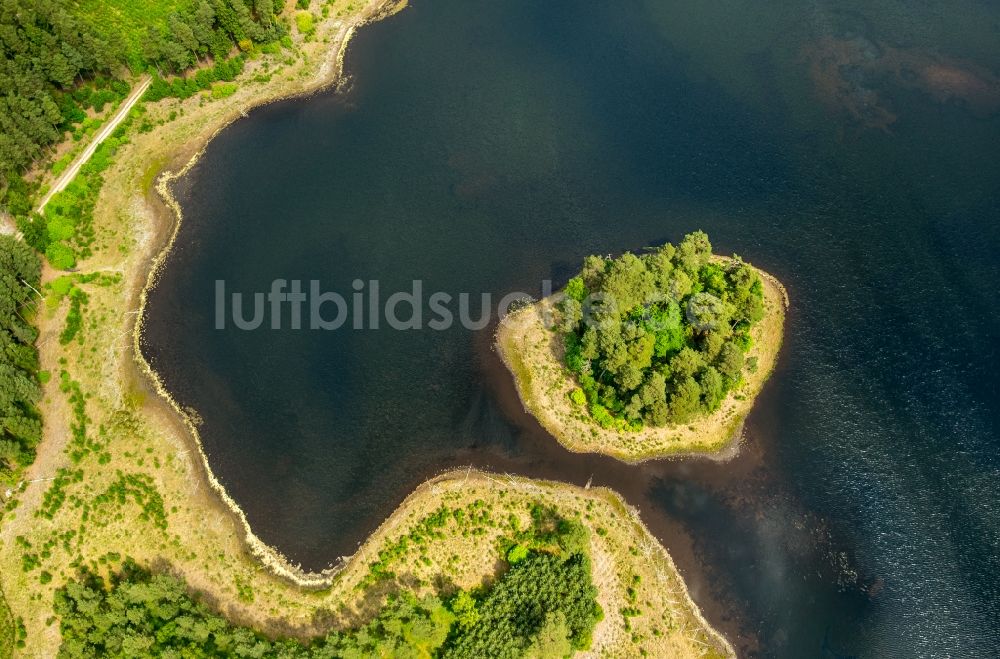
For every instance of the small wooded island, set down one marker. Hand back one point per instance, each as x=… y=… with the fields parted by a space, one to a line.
x=646 y=356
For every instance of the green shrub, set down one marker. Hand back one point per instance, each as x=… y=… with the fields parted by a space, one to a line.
x=517 y=554
x=74 y=318
x=60 y=256
x=304 y=22
x=602 y=416
x=223 y=90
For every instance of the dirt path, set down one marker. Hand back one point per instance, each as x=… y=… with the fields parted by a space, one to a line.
x=102 y=135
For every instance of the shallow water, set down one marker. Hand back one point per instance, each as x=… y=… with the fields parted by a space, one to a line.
x=484 y=147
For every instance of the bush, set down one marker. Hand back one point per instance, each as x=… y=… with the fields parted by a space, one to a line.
x=224 y=70
x=517 y=554
x=35 y=232
x=8 y=634
x=304 y=22
x=224 y=90
x=602 y=416
x=74 y=318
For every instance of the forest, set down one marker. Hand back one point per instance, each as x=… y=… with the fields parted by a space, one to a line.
x=543 y=604
x=661 y=338
x=63 y=59
x=21 y=429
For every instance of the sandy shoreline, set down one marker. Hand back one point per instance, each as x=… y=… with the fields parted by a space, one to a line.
x=169 y=216
x=531 y=353
x=151 y=218
x=270 y=557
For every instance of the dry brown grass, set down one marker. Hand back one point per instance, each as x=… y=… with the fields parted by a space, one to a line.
x=533 y=354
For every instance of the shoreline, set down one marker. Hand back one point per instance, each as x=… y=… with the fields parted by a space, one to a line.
x=329 y=74
x=156 y=219
x=267 y=555
x=653 y=554
x=530 y=354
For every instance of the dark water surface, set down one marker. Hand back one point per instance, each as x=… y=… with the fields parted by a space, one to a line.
x=485 y=146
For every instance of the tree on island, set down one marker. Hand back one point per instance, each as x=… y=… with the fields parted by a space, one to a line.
x=661 y=338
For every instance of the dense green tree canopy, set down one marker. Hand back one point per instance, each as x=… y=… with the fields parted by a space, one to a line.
x=543 y=604
x=20 y=425
x=46 y=48
x=59 y=61
x=660 y=338
x=210 y=28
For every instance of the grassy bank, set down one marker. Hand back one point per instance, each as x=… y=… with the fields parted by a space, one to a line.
x=116 y=468
x=120 y=472
x=448 y=537
x=533 y=353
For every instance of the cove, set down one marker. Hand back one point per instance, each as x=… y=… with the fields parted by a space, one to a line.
x=484 y=147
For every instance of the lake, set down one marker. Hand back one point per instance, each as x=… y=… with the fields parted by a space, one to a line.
x=849 y=148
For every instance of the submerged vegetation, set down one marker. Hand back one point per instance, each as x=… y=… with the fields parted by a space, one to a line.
x=661 y=338
x=542 y=604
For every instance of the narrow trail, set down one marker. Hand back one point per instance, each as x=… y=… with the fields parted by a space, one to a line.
x=102 y=135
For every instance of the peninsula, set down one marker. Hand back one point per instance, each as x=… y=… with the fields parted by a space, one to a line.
x=116 y=539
